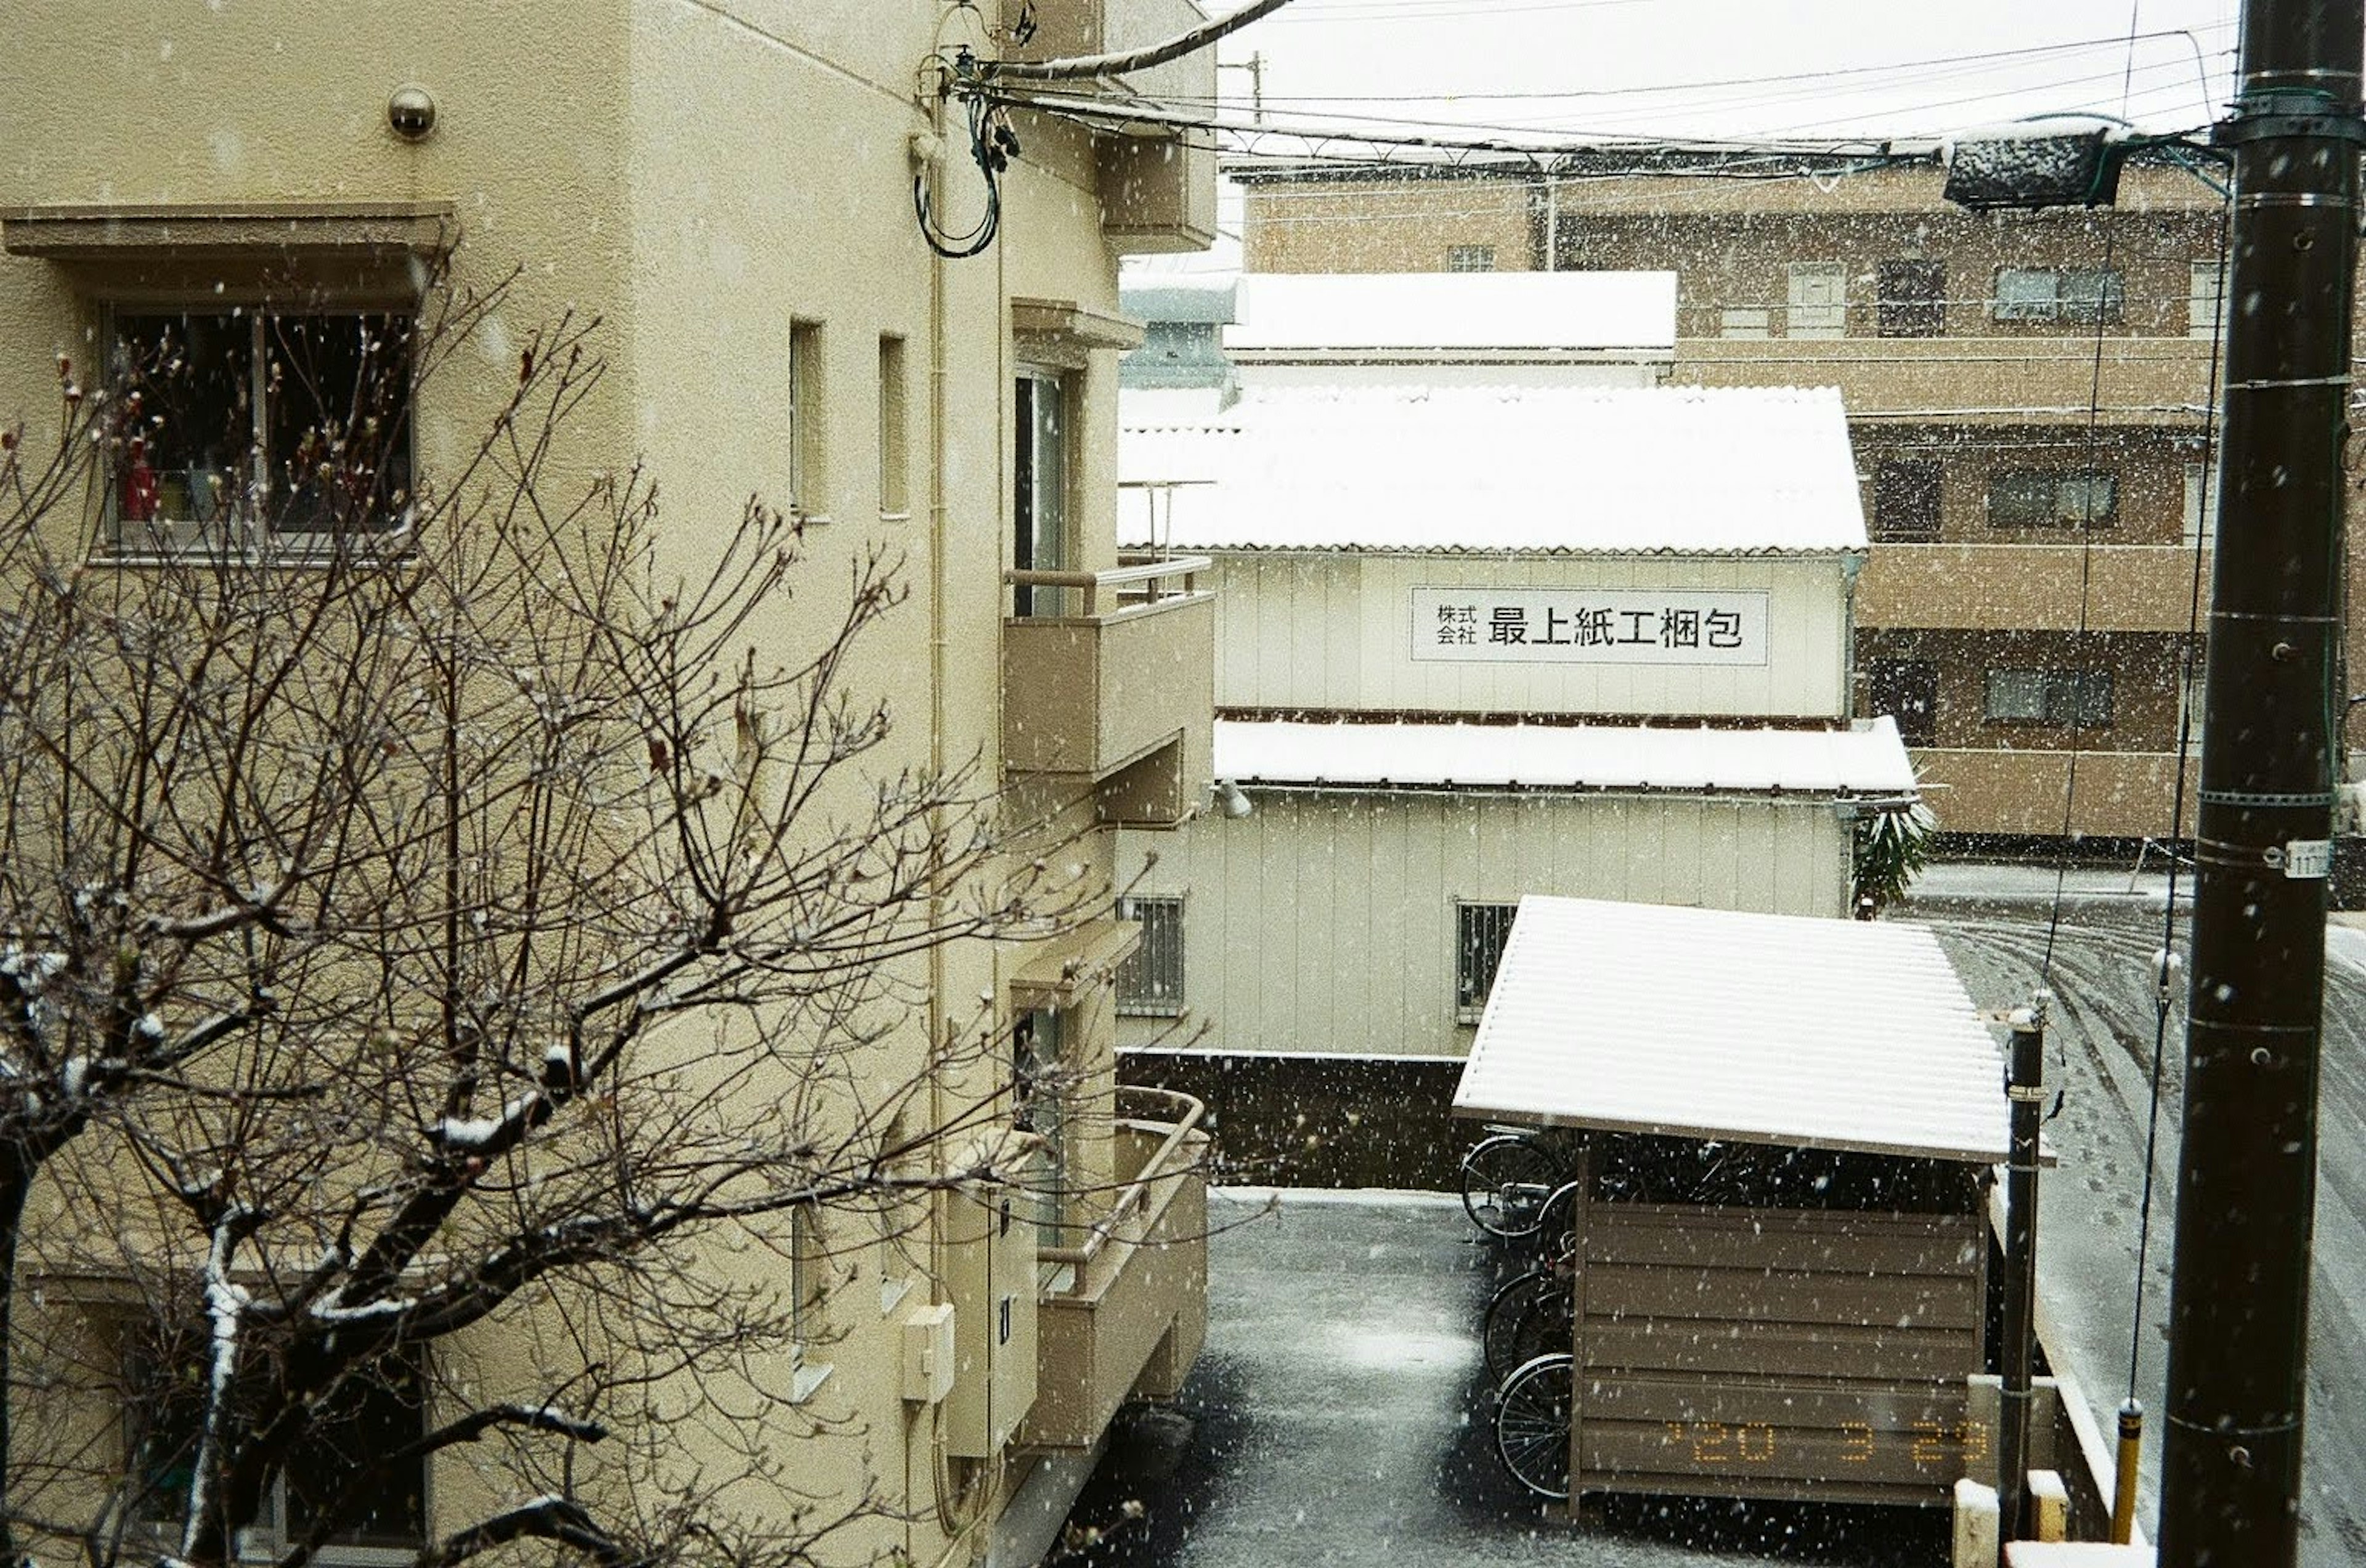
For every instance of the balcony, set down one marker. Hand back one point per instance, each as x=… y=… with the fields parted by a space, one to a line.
x=2127 y=588
x=2143 y=380
x=1116 y=692
x=2121 y=794
x=1132 y=1320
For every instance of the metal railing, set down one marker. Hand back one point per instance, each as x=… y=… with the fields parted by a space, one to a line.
x=1131 y=585
x=1134 y=1196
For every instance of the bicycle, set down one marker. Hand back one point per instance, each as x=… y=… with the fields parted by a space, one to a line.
x=1532 y=1424
x=1505 y=1179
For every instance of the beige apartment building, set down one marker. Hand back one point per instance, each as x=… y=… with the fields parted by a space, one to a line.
x=2029 y=397
x=729 y=188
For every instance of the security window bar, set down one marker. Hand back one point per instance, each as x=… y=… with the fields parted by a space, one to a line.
x=2059 y=698
x=1912 y=298
x=244 y=426
x=1150 y=981
x=2053 y=498
x=1908 y=691
x=2083 y=295
x=1480 y=933
x=1906 y=500
x=1470 y=258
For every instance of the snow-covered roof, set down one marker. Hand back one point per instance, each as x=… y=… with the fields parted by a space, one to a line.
x=1770 y=1028
x=1681 y=471
x=1868 y=761
x=1558 y=312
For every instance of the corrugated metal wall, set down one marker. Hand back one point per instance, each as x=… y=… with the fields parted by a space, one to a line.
x=1336 y=631
x=1325 y=923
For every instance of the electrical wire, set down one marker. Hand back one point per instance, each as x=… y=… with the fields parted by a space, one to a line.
x=992 y=145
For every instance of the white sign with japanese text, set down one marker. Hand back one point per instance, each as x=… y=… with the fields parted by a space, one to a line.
x=1588 y=626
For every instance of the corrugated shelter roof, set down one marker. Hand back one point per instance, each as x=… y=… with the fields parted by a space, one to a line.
x=1498 y=313
x=1503 y=469
x=1867 y=761
x=1767 y=1029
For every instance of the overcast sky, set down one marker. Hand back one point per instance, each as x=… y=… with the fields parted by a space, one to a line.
x=1750 y=69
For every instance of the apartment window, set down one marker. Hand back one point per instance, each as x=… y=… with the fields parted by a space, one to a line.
x=1745 y=321
x=1480 y=933
x=1470 y=258
x=2091 y=295
x=1818 y=299
x=261 y=424
x=2205 y=301
x=1039 y=491
x=895 y=477
x=2042 y=497
x=1906 y=499
x=1911 y=300
x=1906 y=690
x=1039 y=1089
x=808 y=443
x=2061 y=697
x=367 y=1417
x=2200 y=504
x=1150 y=981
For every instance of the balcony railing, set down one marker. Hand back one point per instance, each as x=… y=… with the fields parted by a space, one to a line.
x=1114 y=687
x=2116 y=794
x=1134 y=1313
x=2130 y=588
x=2136 y=379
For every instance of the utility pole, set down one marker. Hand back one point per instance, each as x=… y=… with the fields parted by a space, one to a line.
x=2025 y=1092
x=2247 y=1182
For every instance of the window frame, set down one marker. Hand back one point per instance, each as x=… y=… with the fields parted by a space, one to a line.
x=1815 y=322
x=1031 y=540
x=1887 y=678
x=1902 y=478
x=1478 y=923
x=1470 y=258
x=895 y=429
x=1156 y=961
x=251 y=516
x=2085 y=296
x=2063 y=697
x=1910 y=315
x=271 y=1532
x=808 y=432
x=2036 y=481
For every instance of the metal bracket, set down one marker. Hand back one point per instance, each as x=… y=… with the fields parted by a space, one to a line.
x=2288 y=112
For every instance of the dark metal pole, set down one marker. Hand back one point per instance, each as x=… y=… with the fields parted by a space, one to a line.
x=2246 y=1180
x=2025 y=1088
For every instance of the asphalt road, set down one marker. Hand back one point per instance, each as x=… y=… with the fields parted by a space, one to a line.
x=2100 y=1049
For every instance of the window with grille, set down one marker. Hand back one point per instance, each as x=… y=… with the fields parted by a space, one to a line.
x=2049 y=498
x=2061 y=697
x=1912 y=298
x=1480 y=933
x=1470 y=258
x=1906 y=690
x=1150 y=981
x=1906 y=500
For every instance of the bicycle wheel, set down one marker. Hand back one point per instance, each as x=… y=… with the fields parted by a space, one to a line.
x=1555 y=1232
x=1529 y=1316
x=1505 y=1180
x=1532 y=1419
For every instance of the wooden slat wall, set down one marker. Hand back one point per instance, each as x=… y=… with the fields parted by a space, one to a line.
x=1778 y=1353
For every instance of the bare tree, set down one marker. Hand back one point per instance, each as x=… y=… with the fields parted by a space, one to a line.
x=456 y=974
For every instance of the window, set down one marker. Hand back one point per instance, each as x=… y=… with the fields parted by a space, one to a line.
x=1912 y=299
x=2058 y=294
x=258 y=426
x=808 y=445
x=1745 y=321
x=1906 y=500
x=894 y=464
x=1040 y=486
x=1150 y=981
x=2072 y=697
x=1039 y=1089
x=367 y=1418
x=1470 y=258
x=2205 y=301
x=1818 y=299
x=2045 y=497
x=1480 y=933
x=1906 y=690
x=2200 y=504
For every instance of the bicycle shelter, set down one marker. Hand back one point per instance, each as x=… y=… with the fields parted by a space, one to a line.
x=1784 y=1129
